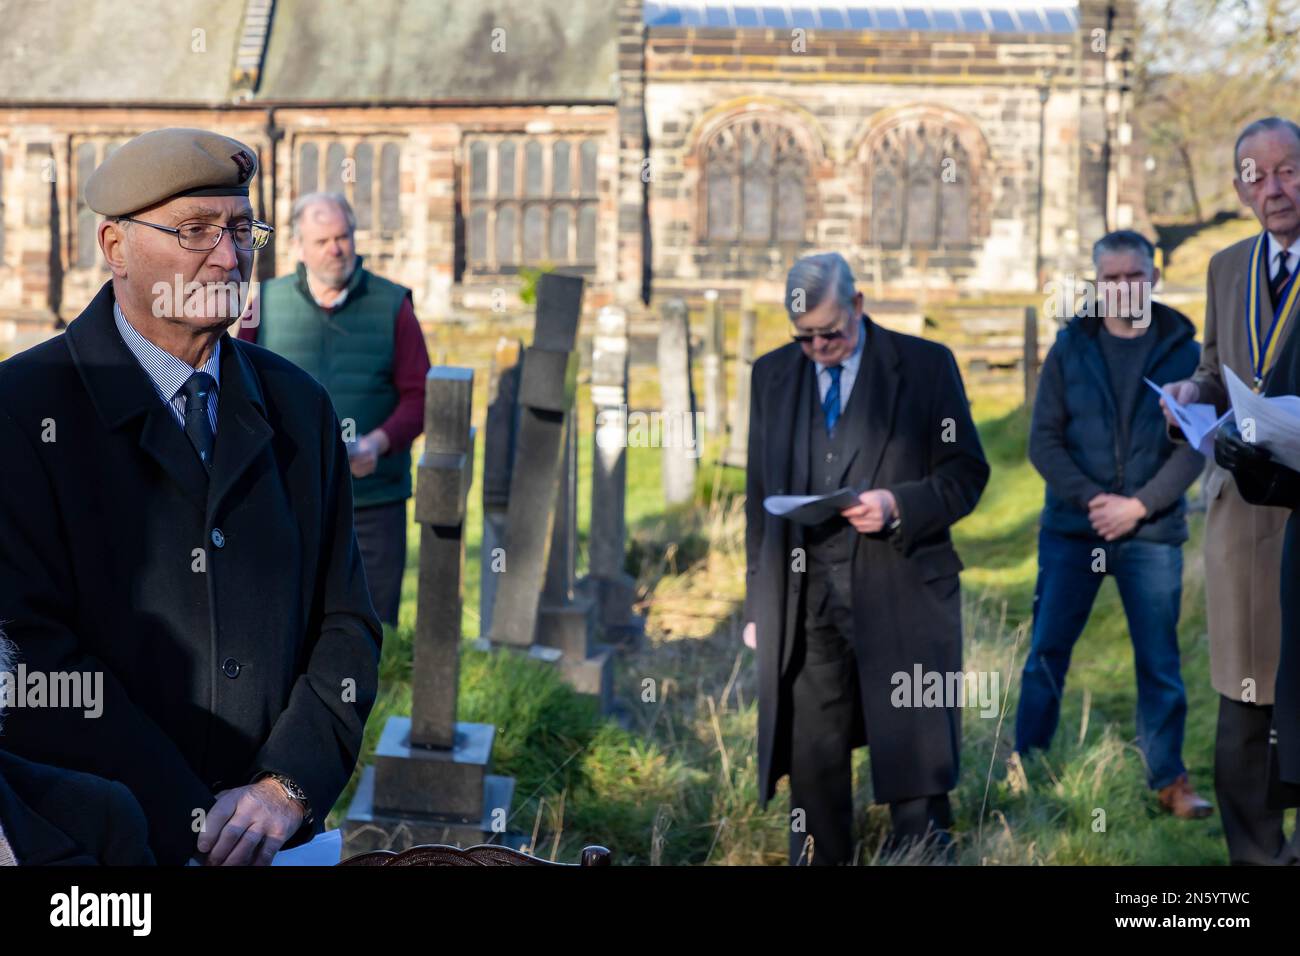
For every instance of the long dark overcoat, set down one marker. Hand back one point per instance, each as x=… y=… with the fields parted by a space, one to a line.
x=228 y=614
x=1279 y=486
x=920 y=443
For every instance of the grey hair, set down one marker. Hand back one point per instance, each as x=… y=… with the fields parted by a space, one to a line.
x=1266 y=125
x=813 y=278
x=8 y=654
x=1124 y=240
x=338 y=200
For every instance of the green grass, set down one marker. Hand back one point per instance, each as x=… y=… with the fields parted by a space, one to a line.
x=679 y=785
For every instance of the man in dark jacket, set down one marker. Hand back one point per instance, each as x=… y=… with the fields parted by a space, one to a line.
x=1114 y=505
x=177 y=516
x=55 y=817
x=843 y=611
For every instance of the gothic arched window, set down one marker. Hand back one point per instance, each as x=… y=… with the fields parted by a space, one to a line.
x=921 y=190
x=755 y=183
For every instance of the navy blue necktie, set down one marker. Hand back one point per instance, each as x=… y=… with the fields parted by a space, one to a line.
x=1279 y=278
x=197 y=425
x=831 y=403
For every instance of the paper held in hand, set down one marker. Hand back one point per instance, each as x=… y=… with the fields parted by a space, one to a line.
x=810 y=509
x=324 y=849
x=1273 y=423
x=1197 y=421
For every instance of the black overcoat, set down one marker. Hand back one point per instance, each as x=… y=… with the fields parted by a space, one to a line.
x=228 y=614
x=920 y=443
x=57 y=817
x=1279 y=486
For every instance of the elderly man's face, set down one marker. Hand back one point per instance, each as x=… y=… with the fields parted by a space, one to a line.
x=210 y=281
x=1124 y=280
x=326 y=245
x=1268 y=180
x=830 y=317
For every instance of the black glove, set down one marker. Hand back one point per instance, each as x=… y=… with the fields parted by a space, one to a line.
x=1236 y=454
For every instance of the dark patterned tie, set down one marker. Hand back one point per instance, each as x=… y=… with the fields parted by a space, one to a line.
x=831 y=403
x=197 y=426
x=1279 y=278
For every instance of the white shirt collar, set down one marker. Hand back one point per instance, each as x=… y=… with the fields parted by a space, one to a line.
x=167 y=372
x=1274 y=247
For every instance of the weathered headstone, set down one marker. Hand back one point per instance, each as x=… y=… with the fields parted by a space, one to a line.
x=565 y=619
x=715 y=383
x=498 y=454
x=607 y=583
x=738 y=443
x=546 y=391
x=429 y=782
x=678 y=443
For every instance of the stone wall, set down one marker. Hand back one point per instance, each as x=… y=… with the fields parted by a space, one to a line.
x=839 y=93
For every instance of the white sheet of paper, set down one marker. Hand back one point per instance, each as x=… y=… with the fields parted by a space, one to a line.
x=1198 y=422
x=1276 y=419
x=782 y=505
x=325 y=849
x=809 y=509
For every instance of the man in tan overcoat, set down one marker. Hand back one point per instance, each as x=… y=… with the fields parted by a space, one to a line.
x=1244 y=329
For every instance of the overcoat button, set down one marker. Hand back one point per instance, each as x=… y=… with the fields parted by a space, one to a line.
x=218 y=538
x=230 y=667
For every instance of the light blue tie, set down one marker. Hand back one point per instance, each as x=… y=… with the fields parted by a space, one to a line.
x=831 y=403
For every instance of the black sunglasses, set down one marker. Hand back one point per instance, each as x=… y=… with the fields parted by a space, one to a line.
x=803 y=338
x=831 y=336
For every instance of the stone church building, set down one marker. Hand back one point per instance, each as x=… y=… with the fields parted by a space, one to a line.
x=656 y=147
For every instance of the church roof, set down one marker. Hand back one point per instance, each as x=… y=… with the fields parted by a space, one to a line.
x=73 y=51
x=186 y=51
x=947 y=16
x=554 y=51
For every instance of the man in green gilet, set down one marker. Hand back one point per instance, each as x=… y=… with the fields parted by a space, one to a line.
x=357 y=334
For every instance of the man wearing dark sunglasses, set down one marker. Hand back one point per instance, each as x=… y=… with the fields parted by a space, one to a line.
x=177 y=515
x=836 y=611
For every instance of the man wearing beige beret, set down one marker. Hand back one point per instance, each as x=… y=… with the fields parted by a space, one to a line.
x=177 y=517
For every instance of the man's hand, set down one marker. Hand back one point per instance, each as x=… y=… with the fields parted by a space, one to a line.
x=365 y=458
x=1184 y=393
x=248 y=825
x=1114 y=516
x=751 y=636
x=1233 y=452
x=874 y=510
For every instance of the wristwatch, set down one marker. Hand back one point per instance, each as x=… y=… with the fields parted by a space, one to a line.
x=295 y=792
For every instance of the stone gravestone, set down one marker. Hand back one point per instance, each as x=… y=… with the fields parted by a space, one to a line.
x=546 y=390
x=429 y=781
x=498 y=454
x=676 y=438
x=566 y=619
x=607 y=583
x=737 y=453
x=715 y=383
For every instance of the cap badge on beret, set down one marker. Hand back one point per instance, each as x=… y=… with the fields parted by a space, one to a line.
x=245 y=164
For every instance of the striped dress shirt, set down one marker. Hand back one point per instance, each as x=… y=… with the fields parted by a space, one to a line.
x=167 y=372
x=6 y=851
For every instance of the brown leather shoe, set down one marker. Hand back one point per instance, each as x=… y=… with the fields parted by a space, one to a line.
x=1182 y=801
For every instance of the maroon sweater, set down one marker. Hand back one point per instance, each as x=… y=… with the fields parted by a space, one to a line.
x=410 y=366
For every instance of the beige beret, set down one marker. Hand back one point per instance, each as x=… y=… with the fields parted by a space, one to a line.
x=166 y=163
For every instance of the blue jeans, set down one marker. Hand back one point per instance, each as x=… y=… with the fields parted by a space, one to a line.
x=1150 y=579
